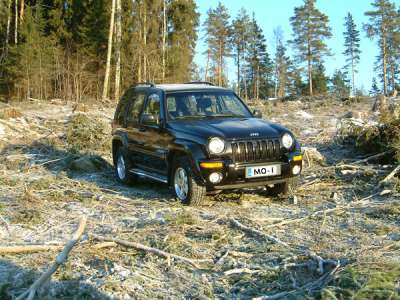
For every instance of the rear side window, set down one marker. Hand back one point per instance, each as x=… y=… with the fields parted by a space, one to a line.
x=122 y=105
x=135 y=108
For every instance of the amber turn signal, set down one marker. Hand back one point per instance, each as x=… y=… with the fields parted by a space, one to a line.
x=298 y=158
x=212 y=165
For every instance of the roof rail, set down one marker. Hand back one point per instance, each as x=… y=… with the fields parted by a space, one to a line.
x=145 y=83
x=200 y=82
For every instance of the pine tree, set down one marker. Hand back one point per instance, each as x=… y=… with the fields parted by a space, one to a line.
x=282 y=65
x=183 y=20
x=352 y=48
x=218 y=32
x=375 y=91
x=339 y=84
x=320 y=80
x=381 y=24
x=240 y=39
x=296 y=86
x=259 y=65
x=311 y=28
x=394 y=55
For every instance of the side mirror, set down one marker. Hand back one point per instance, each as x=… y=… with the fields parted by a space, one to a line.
x=257 y=114
x=150 y=120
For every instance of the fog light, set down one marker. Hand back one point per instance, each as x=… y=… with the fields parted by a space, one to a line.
x=215 y=178
x=296 y=170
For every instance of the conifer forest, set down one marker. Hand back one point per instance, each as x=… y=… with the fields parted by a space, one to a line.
x=90 y=95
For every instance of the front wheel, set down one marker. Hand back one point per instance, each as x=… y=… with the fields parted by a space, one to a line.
x=185 y=187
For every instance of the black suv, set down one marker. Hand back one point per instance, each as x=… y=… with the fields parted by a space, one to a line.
x=200 y=139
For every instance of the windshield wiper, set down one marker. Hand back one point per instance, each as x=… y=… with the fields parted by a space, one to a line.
x=225 y=116
x=209 y=117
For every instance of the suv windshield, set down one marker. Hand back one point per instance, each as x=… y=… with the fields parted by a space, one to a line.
x=192 y=105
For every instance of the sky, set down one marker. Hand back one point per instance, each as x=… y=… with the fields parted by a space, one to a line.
x=272 y=13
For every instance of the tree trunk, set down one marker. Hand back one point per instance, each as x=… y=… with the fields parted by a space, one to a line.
x=353 y=77
x=384 y=56
x=393 y=78
x=207 y=65
x=220 y=64
x=310 y=81
x=258 y=83
x=309 y=60
x=164 y=39
x=118 y=51
x=238 y=71
x=144 y=41
x=21 y=11
x=8 y=24
x=109 y=51
x=16 y=23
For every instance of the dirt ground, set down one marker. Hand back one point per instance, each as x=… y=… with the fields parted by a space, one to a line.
x=336 y=237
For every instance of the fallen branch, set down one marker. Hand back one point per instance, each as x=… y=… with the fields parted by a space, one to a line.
x=391 y=175
x=60 y=259
x=322 y=212
x=376 y=156
x=152 y=250
x=5 y=224
x=28 y=249
x=241 y=271
x=237 y=224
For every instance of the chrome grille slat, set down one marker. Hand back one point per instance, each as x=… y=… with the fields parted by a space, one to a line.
x=256 y=150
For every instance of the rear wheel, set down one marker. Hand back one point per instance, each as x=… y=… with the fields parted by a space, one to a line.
x=122 y=167
x=185 y=186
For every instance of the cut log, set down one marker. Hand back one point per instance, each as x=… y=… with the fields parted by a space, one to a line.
x=28 y=249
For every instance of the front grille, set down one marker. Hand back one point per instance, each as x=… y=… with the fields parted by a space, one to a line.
x=256 y=150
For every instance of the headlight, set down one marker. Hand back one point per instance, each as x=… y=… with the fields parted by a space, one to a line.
x=287 y=141
x=216 y=145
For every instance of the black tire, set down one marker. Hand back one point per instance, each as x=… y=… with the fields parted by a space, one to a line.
x=196 y=193
x=124 y=177
x=282 y=190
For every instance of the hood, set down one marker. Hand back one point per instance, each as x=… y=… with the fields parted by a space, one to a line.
x=235 y=128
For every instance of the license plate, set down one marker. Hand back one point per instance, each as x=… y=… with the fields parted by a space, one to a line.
x=263 y=171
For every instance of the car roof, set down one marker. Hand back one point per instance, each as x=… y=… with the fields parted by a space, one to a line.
x=190 y=87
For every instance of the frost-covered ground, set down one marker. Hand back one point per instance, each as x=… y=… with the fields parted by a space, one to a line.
x=336 y=236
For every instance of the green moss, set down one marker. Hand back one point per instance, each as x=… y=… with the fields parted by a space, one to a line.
x=371 y=281
x=184 y=217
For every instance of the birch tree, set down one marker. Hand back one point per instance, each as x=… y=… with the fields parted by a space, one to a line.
x=164 y=39
x=8 y=24
x=118 y=51
x=16 y=23
x=109 y=52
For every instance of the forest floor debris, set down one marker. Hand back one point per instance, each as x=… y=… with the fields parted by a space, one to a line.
x=339 y=239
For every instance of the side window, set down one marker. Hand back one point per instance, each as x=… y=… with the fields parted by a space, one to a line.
x=122 y=105
x=135 y=109
x=151 y=113
x=153 y=105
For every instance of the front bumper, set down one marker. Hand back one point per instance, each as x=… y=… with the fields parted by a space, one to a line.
x=234 y=176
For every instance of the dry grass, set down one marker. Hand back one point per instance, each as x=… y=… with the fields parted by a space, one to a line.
x=42 y=195
x=10 y=113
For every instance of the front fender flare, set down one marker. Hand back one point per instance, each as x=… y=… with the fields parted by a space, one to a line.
x=195 y=153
